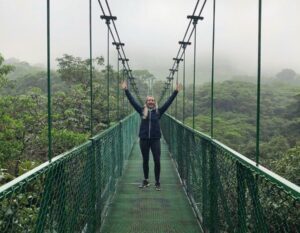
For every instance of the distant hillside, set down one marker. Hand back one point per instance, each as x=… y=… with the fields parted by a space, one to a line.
x=26 y=76
x=286 y=77
x=22 y=68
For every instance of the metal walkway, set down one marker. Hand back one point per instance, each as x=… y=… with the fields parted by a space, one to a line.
x=135 y=210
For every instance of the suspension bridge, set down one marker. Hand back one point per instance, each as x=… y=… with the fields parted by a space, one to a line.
x=206 y=186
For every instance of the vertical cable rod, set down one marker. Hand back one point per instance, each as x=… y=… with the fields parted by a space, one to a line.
x=183 y=87
x=194 y=72
x=107 y=80
x=118 y=89
x=107 y=21
x=91 y=70
x=213 y=72
x=258 y=82
x=195 y=21
x=49 y=85
x=178 y=60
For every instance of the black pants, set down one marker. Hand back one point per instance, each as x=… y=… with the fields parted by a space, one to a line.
x=154 y=145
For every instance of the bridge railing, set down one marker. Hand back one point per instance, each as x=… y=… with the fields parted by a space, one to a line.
x=71 y=193
x=227 y=190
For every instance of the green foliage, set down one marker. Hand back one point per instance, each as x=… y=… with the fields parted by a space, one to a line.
x=235 y=117
x=74 y=70
x=23 y=110
x=288 y=165
x=288 y=76
x=64 y=139
x=22 y=68
x=4 y=70
x=10 y=130
x=5 y=177
x=27 y=165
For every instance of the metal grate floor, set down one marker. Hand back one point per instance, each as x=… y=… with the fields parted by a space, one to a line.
x=135 y=210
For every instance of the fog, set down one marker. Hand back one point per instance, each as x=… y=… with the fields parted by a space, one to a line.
x=151 y=30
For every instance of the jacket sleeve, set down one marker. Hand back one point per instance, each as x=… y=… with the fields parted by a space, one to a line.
x=133 y=102
x=167 y=104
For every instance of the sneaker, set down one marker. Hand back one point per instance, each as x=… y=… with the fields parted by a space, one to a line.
x=144 y=184
x=157 y=186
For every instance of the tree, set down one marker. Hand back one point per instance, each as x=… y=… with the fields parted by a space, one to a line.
x=289 y=165
x=4 y=70
x=286 y=75
x=75 y=70
x=27 y=119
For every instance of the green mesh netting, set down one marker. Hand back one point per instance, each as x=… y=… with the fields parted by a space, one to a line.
x=229 y=192
x=71 y=193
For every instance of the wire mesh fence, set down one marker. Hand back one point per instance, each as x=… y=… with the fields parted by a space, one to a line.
x=70 y=193
x=229 y=192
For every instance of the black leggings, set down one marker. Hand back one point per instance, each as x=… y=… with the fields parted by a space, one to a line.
x=145 y=145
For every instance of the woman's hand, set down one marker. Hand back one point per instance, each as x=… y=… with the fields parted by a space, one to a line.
x=178 y=87
x=124 y=85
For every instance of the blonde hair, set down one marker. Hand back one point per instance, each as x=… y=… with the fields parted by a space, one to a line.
x=146 y=109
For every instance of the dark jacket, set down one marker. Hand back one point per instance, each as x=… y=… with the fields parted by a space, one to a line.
x=150 y=128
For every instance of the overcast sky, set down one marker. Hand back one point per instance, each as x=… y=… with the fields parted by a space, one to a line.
x=151 y=30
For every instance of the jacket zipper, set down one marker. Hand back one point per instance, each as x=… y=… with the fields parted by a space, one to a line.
x=149 y=123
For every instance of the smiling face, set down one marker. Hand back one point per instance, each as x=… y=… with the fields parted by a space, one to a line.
x=150 y=102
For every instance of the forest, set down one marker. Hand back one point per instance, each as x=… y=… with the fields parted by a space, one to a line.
x=24 y=123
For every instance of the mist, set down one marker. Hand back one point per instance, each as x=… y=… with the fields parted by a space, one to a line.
x=151 y=31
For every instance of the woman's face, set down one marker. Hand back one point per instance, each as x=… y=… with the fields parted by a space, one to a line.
x=150 y=102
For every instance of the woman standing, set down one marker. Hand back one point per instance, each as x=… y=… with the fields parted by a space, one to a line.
x=150 y=132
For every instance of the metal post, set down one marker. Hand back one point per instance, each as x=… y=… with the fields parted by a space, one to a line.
x=213 y=73
x=49 y=85
x=91 y=70
x=258 y=83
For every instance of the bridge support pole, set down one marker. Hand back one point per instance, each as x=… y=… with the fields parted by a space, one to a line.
x=93 y=205
x=205 y=194
x=213 y=192
x=241 y=201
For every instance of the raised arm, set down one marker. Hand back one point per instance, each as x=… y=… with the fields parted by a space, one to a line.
x=132 y=101
x=167 y=104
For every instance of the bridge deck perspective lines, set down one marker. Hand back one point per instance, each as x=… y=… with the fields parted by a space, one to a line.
x=135 y=210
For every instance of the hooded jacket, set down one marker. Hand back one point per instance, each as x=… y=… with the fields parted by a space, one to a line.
x=150 y=128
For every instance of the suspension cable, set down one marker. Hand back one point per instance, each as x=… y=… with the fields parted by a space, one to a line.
x=186 y=38
x=122 y=54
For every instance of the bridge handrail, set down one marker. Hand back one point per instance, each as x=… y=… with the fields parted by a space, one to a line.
x=280 y=181
x=229 y=191
x=70 y=193
x=26 y=177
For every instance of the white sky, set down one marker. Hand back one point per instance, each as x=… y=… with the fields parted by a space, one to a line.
x=151 y=30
